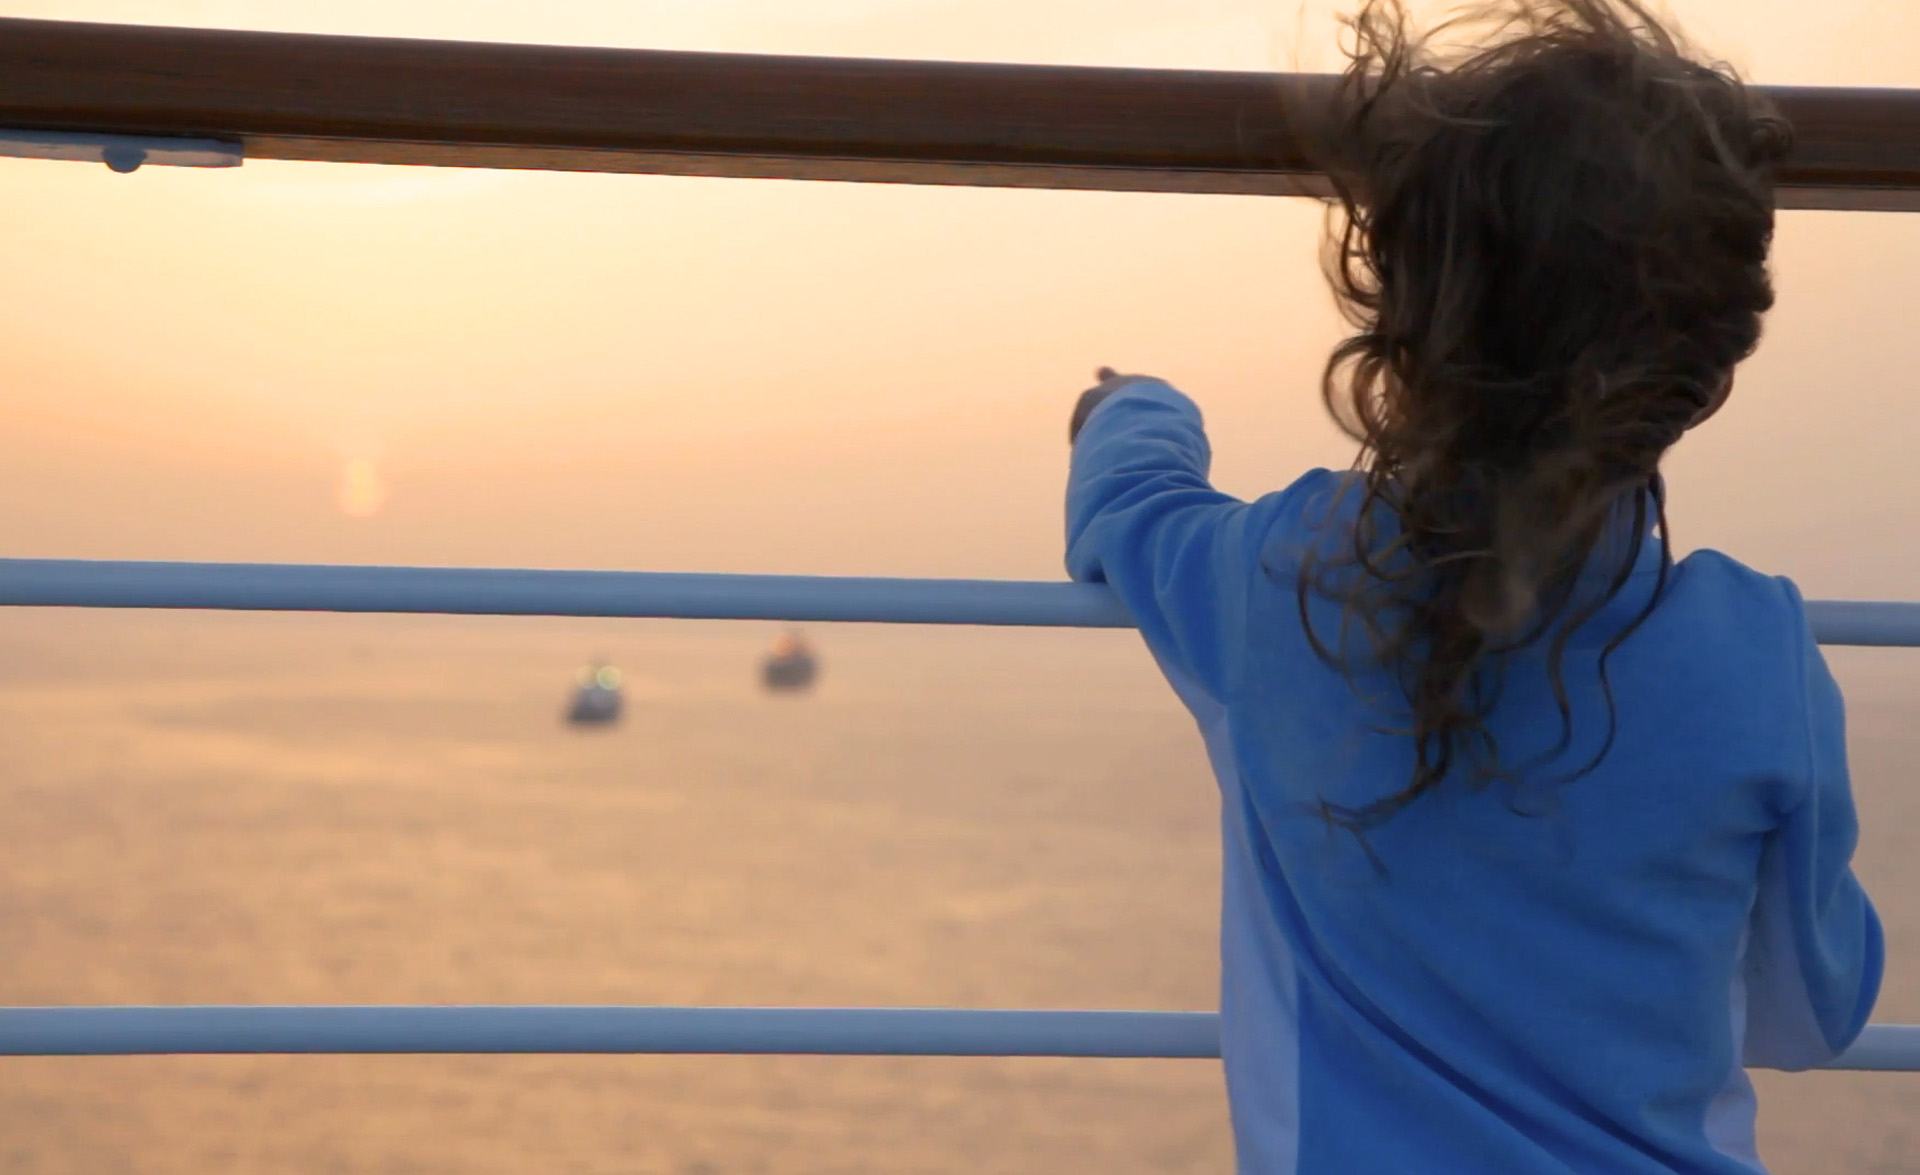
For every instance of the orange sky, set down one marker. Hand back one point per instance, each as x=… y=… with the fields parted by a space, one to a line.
x=660 y=373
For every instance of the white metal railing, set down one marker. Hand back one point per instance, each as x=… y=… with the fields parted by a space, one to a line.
x=125 y=1031
x=498 y=592
x=502 y=592
x=889 y=1032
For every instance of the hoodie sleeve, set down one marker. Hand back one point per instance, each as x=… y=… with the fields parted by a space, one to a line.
x=1143 y=519
x=1814 y=953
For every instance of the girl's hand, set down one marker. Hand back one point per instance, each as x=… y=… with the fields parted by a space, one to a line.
x=1111 y=381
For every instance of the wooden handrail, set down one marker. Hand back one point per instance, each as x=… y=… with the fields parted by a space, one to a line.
x=375 y=100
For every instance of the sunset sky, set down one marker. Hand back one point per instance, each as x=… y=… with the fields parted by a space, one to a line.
x=328 y=362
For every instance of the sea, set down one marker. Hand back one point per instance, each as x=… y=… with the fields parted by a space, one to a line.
x=201 y=808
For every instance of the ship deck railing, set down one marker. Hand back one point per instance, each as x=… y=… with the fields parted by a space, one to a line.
x=131 y=96
x=100 y=1031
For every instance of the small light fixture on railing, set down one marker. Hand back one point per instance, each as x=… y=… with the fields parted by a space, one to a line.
x=121 y=153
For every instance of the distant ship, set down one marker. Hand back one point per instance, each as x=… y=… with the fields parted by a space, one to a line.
x=597 y=697
x=790 y=667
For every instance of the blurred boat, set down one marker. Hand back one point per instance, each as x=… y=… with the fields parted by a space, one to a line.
x=597 y=697
x=791 y=666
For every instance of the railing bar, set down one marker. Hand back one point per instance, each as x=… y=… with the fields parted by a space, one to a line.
x=85 y=583
x=505 y=592
x=443 y=103
x=894 y=1032
x=130 y=1031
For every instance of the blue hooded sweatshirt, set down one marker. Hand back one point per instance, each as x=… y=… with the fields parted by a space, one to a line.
x=1540 y=976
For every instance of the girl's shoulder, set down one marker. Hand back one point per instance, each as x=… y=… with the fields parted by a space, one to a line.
x=1719 y=580
x=1745 y=629
x=1317 y=502
x=1310 y=521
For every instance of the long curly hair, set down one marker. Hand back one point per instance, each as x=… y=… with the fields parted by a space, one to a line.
x=1552 y=251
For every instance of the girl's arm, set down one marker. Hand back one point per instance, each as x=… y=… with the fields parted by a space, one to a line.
x=1143 y=519
x=1814 y=953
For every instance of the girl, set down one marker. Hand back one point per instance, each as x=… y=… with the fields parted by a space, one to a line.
x=1533 y=835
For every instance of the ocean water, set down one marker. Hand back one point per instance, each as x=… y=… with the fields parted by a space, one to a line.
x=267 y=809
